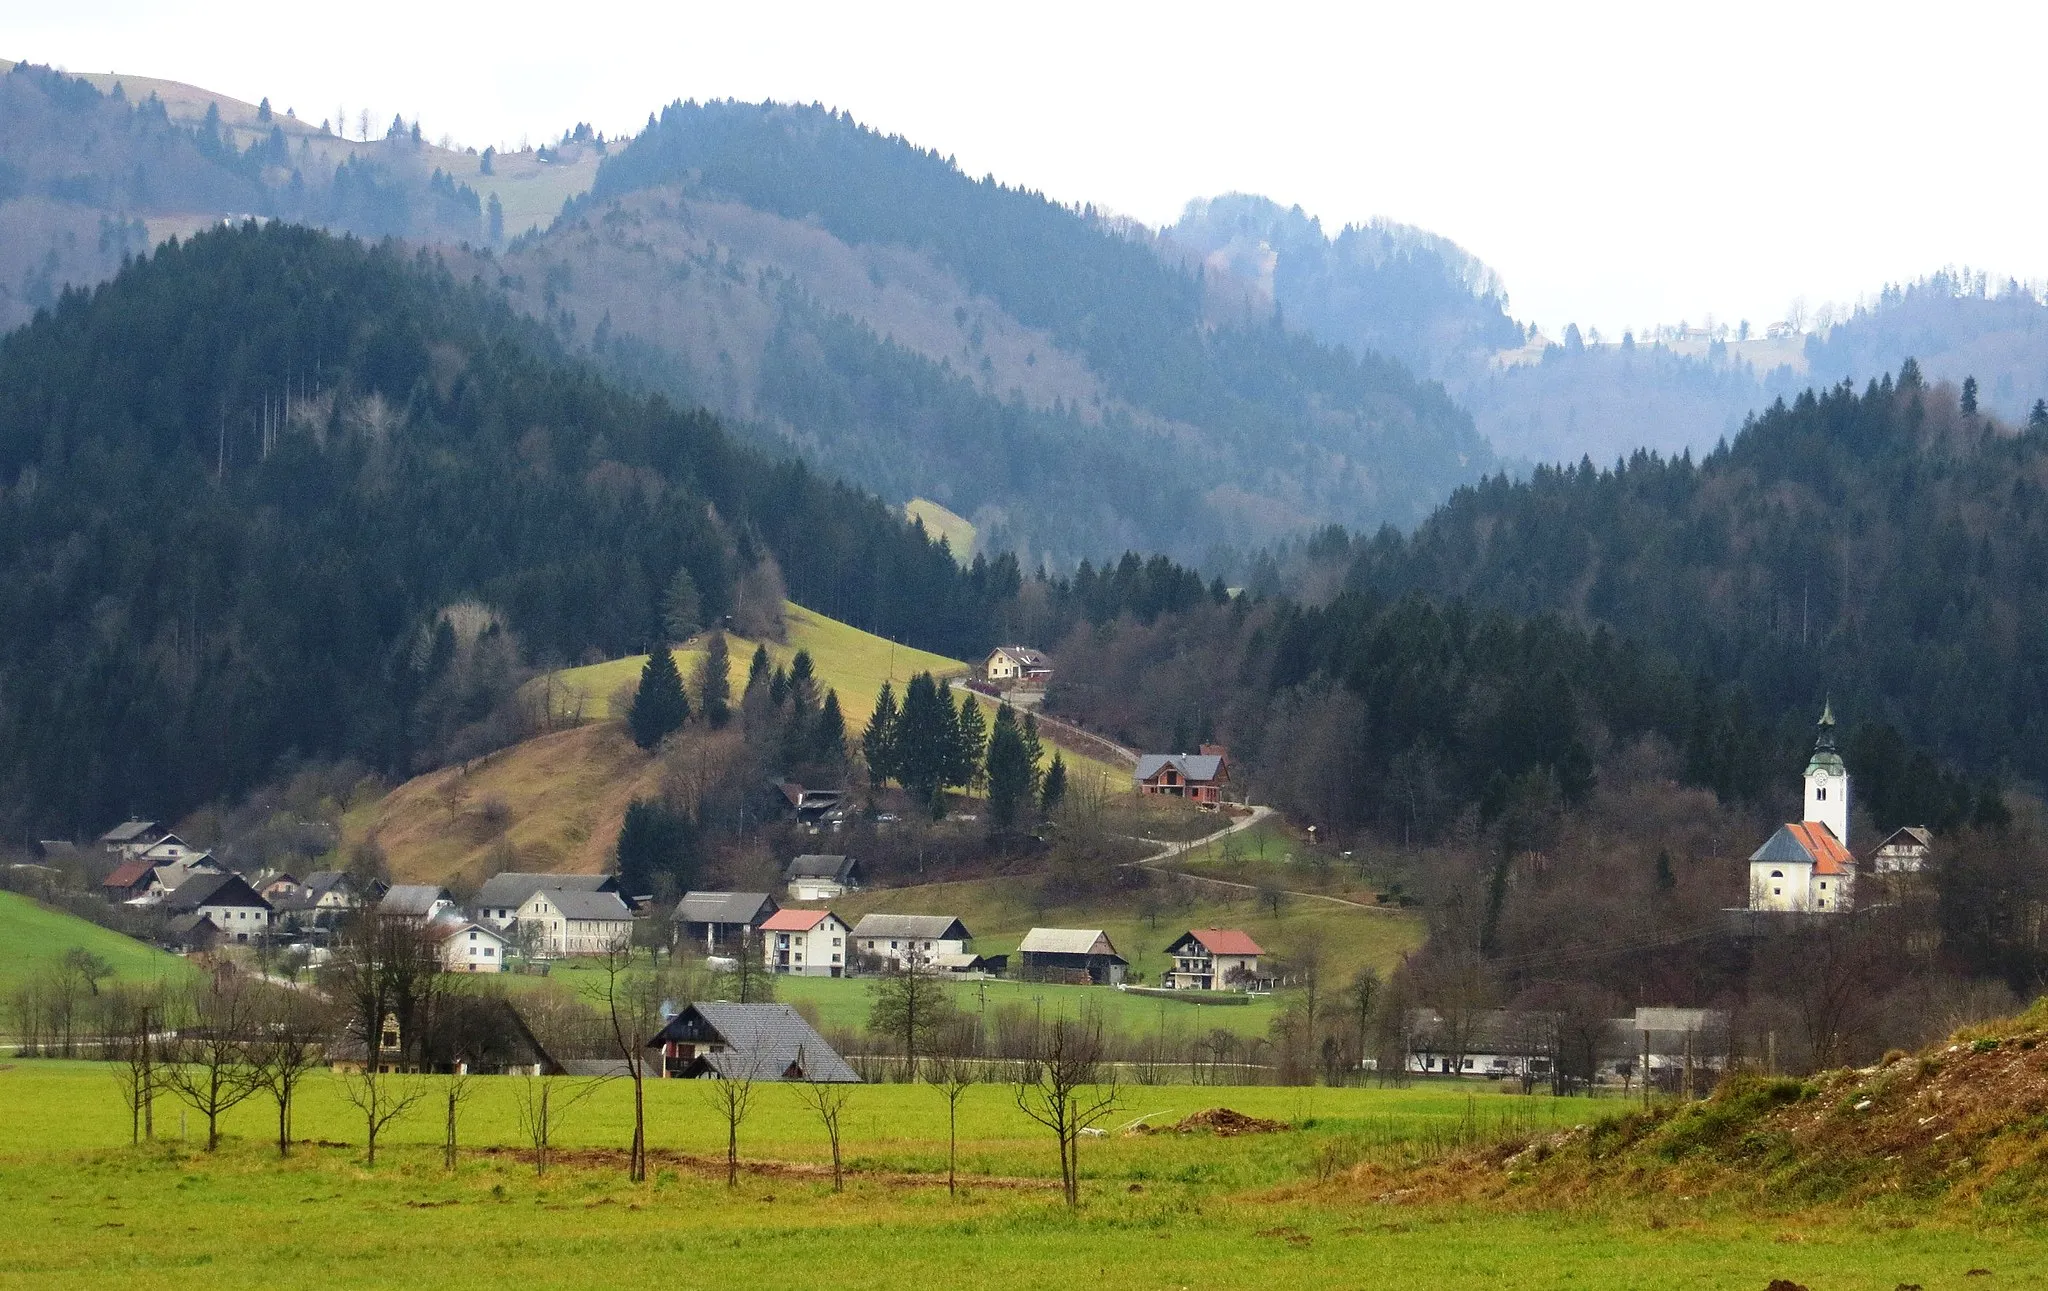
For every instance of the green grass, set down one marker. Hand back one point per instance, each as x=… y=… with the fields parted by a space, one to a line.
x=1158 y=1211
x=33 y=937
x=939 y=522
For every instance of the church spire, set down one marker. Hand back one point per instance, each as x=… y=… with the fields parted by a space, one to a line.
x=1825 y=741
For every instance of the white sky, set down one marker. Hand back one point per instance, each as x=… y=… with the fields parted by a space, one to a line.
x=1619 y=164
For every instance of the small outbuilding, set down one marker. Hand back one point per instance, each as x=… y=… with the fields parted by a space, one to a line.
x=1077 y=956
x=719 y=922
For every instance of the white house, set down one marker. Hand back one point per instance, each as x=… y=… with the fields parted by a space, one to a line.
x=1904 y=851
x=571 y=922
x=933 y=940
x=1018 y=665
x=1213 y=959
x=805 y=943
x=1806 y=867
x=472 y=948
x=226 y=901
x=820 y=878
x=498 y=900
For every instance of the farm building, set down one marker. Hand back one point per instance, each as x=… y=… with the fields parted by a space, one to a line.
x=1213 y=959
x=572 y=922
x=498 y=900
x=806 y=943
x=934 y=940
x=719 y=921
x=820 y=878
x=1197 y=776
x=747 y=1042
x=1082 y=956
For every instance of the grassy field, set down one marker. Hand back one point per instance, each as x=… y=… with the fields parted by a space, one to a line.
x=957 y=530
x=34 y=937
x=1158 y=1210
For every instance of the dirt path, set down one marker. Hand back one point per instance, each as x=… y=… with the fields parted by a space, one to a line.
x=1167 y=851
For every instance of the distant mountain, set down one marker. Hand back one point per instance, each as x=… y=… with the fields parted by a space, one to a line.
x=1043 y=371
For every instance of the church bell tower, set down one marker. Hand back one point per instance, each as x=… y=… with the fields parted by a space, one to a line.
x=1827 y=780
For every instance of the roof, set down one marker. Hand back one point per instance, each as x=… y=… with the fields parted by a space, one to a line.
x=1024 y=655
x=724 y=907
x=512 y=888
x=412 y=899
x=321 y=882
x=127 y=831
x=957 y=962
x=584 y=906
x=1908 y=836
x=821 y=867
x=1067 y=941
x=764 y=1042
x=1192 y=766
x=924 y=927
x=455 y=930
x=1224 y=941
x=127 y=874
x=213 y=889
x=1807 y=843
x=795 y=920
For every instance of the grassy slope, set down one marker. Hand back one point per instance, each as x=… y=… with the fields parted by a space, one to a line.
x=957 y=530
x=1159 y=1211
x=33 y=936
x=565 y=792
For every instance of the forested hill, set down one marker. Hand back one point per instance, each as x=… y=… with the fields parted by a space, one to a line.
x=1044 y=371
x=273 y=494
x=1889 y=548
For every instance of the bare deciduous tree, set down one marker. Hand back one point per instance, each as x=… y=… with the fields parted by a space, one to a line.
x=382 y=1096
x=289 y=1042
x=632 y=1003
x=136 y=1015
x=731 y=1094
x=828 y=1099
x=544 y=1102
x=911 y=1006
x=1064 y=1086
x=210 y=1069
x=457 y=1092
x=952 y=1077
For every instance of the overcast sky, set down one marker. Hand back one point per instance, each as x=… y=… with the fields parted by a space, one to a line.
x=1617 y=163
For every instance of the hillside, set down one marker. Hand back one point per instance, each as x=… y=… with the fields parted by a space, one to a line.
x=555 y=802
x=865 y=302
x=394 y=497
x=34 y=938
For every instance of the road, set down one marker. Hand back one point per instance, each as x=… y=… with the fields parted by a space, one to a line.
x=1167 y=851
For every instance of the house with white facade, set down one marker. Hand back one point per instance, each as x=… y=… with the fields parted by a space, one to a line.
x=566 y=921
x=1904 y=851
x=821 y=878
x=467 y=947
x=224 y=900
x=1806 y=867
x=424 y=902
x=805 y=943
x=1016 y=665
x=898 y=941
x=498 y=900
x=1213 y=959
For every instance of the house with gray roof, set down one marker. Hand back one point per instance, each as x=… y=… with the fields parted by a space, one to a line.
x=769 y=1042
x=570 y=921
x=421 y=901
x=1200 y=777
x=720 y=922
x=225 y=900
x=894 y=941
x=1079 y=956
x=498 y=900
x=821 y=878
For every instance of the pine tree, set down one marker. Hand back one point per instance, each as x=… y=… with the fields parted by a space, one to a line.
x=1034 y=753
x=803 y=683
x=778 y=687
x=659 y=707
x=757 y=669
x=1009 y=773
x=970 y=745
x=657 y=849
x=1055 y=785
x=1969 y=396
x=714 y=682
x=2038 y=418
x=926 y=731
x=828 y=733
x=878 y=741
x=682 y=609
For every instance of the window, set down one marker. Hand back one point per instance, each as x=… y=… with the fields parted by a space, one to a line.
x=1820 y=793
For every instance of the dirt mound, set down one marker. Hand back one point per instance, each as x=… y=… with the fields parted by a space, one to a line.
x=1965 y=1121
x=1223 y=1122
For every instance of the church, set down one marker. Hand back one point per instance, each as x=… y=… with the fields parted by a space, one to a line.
x=1806 y=867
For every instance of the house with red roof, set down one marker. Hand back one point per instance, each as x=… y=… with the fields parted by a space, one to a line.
x=805 y=943
x=1807 y=867
x=1213 y=959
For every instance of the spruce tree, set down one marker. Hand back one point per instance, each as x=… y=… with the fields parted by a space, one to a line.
x=925 y=735
x=714 y=682
x=1969 y=396
x=1055 y=785
x=757 y=669
x=878 y=741
x=1034 y=752
x=657 y=849
x=969 y=745
x=682 y=609
x=2038 y=418
x=828 y=733
x=1009 y=774
x=803 y=683
x=659 y=707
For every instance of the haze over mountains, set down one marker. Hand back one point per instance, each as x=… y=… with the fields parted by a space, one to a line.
x=1074 y=384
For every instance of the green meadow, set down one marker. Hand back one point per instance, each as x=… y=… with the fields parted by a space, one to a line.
x=34 y=939
x=1158 y=1211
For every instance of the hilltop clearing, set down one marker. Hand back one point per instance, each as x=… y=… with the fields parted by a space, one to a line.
x=957 y=530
